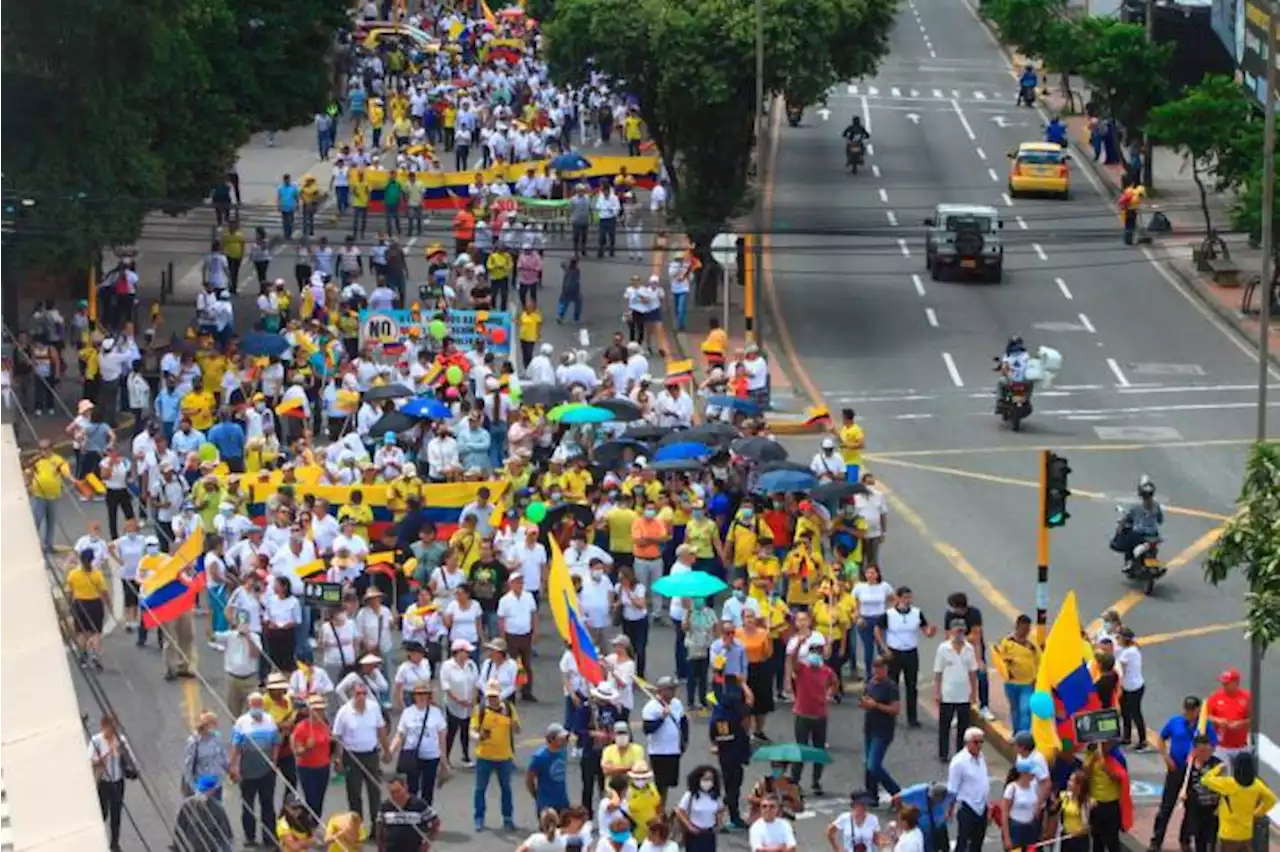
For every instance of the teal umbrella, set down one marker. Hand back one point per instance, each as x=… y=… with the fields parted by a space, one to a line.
x=789 y=753
x=691 y=584
x=586 y=414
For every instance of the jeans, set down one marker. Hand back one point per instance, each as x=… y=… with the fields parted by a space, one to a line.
x=359 y=221
x=971 y=827
x=812 y=731
x=963 y=716
x=638 y=632
x=503 y=769
x=342 y=196
x=1019 y=697
x=46 y=513
x=608 y=237
x=497 y=444
x=286 y=223
x=877 y=747
x=579 y=238
x=501 y=288
x=565 y=302
x=314 y=782
x=680 y=305
x=264 y=791
x=867 y=638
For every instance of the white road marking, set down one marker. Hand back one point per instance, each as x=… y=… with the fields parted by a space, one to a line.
x=995 y=177
x=875 y=170
x=853 y=90
x=413 y=241
x=937 y=93
x=982 y=155
x=884 y=195
x=892 y=217
x=955 y=105
x=919 y=284
x=872 y=91
x=895 y=395
x=1062 y=285
x=1088 y=326
x=1155 y=409
x=951 y=369
x=980 y=96
x=1022 y=223
x=913 y=117
x=931 y=316
x=916 y=416
x=1039 y=249
x=871 y=149
x=1117 y=372
x=902 y=244
x=896 y=92
x=955 y=93
x=1008 y=202
x=933 y=54
x=915 y=93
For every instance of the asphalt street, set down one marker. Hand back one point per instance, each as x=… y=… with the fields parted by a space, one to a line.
x=1151 y=384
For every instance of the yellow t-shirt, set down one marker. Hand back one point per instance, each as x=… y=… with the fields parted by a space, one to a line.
x=284 y=832
x=619 y=523
x=89 y=355
x=309 y=192
x=778 y=615
x=1021 y=661
x=805 y=523
x=744 y=538
x=631 y=128
x=574 y=484
x=499 y=265
x=496 y=732
x=199 y=405
x=701 y=535
x=467 y=544
x=1072 y=815
x=1102 y=787
x=85 y=585
x=715 y=343
x=643 y=805
x=362 y=515
x=342 y=825
x=759 y=569
x=651 y=490
x=1239 y=804
x=807 y=572
x=47 y=473
x=399 y=491
x=829 y=620
x=851 y=440
x=530 y=326
x=615 y=756
x=450 y=116
x=359 y=191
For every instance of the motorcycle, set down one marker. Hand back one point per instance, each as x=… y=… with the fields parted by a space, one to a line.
x=1014 y=405
x=1026 y=96
x=854 y=153
x=794 y=113
x=1142 y=563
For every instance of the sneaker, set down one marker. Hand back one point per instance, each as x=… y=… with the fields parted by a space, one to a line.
x=508 y=825
x=217 y=646
x=1142 y=746
x=467 y=763
x=817 y=790
x=884 y=800
x=479 y=827
x=986 y=714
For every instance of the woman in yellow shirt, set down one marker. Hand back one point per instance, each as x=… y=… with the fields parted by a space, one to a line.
x=530 y=330
x=87 y=589
x=805 y=572
x=296 y=828
x=345 y=833
x=830 y=619
x=1245 y=800
x=702 y=534
x=1073 y=813
x=851 y=443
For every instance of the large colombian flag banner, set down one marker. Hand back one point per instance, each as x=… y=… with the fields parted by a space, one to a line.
x=171 y=587
x=569 y=620
x=1064 y=674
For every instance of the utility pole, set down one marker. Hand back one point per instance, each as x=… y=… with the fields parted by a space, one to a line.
x=1148 y=149
x=1054 y=472
x=1264 y=359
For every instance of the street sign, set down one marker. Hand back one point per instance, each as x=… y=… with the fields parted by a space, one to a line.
x=380 y=327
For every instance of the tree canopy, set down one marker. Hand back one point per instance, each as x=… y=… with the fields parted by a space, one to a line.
x=119 y=108
x=691 y=65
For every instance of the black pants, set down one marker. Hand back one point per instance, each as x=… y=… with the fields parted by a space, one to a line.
x=263 y=790
x=638 y=632
x=732 y=772
x=1173 y=781
x=260 y=267
x=592 y=777
x=579 y=239
x=118 y=499
x=1104 y=826
x=810 y=730
x=233 y=273
x=1131 y=715
x=111 y=802
x=971 y=827
x=963 y=716
x=364 y=772
x=288 y=766
x=907 y=664
x=457 y=725
x=938 y=840
x=608 y=237
x=1199 y=827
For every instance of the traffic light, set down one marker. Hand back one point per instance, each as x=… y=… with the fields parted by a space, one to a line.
x=1056 y=492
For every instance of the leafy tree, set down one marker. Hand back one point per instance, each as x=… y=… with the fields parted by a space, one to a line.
x=691 y=65
x=1026 y=24
x=1065 y=50
x=1250 y=542
x=1206 y=124
x=1128 y=74
x=1246 y=210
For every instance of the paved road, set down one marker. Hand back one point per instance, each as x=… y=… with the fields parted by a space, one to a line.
x=1150 y=385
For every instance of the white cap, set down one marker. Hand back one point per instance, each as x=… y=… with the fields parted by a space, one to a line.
x=640 y=461
x=547 y=349
x=653 y=279
x=828 y=443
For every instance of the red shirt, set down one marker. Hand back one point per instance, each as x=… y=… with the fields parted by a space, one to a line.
x=812 y=684
x=319 y=755
x=779 y=522
x=1234 y=708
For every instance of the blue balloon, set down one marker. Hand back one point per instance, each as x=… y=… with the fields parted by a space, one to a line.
x=1042 y=705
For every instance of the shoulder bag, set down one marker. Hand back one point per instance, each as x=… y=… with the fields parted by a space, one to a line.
x=407 y=760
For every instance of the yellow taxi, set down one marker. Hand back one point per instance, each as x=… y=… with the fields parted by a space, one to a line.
x=1040 y=168
x=377 y=32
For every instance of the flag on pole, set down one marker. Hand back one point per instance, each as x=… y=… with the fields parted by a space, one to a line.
x=569 y=621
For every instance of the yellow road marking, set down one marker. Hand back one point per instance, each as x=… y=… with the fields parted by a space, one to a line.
x=1028 y=483
x=1189 y=633
x=190 y=688
x=1134 y=597
x=1105 y=448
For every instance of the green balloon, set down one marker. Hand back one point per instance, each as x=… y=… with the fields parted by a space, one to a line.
x=536 y=513
x=437 y=329
x=453 y=375
x=208 y=452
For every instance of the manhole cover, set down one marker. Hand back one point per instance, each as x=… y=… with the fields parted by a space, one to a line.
x=1167 y=369
x=1137 y=433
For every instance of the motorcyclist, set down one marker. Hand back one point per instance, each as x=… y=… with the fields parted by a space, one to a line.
x=1027 y=83
x=1013 y=365
x=1140 y=524
x=855 y=131
x=1055 y=132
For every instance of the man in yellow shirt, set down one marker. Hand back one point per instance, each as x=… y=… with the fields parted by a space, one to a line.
x=805 y=572
x=530 y=330
x=199 y=405
x=1019 y=657
x=494 y=726
x=633 y=133
x=407 y=484
x=360 y=192
x=618 y=522
x=852 y=442
x=743 y=537
x=575 y=480
x=764 y=571
x=715 y=344
x=500 y=266
x=44 y=486
x=358 y=514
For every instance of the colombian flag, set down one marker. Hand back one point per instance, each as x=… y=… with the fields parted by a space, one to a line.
x=177 y=596
x=1064 y=674
x=291 y=407
x=680 y=371
x=569 y=621
x=818 y=415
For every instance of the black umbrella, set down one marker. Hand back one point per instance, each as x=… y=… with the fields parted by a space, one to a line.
x=712 y=433
x=834 y=492
x=392 y=422
x=645 y=432
x=760 y=449
x=609 y=454
x=544 y=395
x=582 y=516
x=677 y=465
x=624 y=410
x=392 y=391
x=770 y=467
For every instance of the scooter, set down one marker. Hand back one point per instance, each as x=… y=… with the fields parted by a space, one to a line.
x=1026 y=96
x=1014 y=405
x=854 y=153
x=1143 y=564
x=794 y=113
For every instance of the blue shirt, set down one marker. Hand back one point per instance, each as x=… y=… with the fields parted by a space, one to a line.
x=358 y=98
x=1179 y=735
x=228 y=437
x=186 y=442
x=168 y=405
x=548 y=767
x=932 y=816
x=735 y=657
x=287 y=197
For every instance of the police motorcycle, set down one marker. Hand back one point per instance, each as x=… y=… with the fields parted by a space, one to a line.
x=1019 y=373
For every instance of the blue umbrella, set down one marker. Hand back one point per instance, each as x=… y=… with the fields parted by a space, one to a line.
x=570 y=162
x=786 y=480
x=732 y=403
x=682 y=451
x=426 y=409
x=586 y=414
x=690 y=584
x=260 y=343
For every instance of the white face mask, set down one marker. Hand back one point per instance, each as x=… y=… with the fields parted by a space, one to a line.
x=707 y=785
x=622 y=739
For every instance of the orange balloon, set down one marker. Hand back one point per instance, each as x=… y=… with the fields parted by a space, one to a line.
x=498 y=336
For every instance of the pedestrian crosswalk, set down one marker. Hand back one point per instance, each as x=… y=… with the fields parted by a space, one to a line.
x=927 y=93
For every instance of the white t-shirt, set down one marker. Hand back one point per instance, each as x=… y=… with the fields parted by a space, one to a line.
x=624 y=677
x=872 y=600
x=595 y=601
x=338 y=642
x=1129 y=660
x=634 y=613
x=424 y=740
x=517 y=613
x=851 y=833
x=666 y=739
x=701 y=808
x=911 y=841
x=571 y=680
x=776 y=833
x=1025 y=802
x=358 y=732
x=955 y=667
x=409 y=675
x=530 y=561
x=464 y=621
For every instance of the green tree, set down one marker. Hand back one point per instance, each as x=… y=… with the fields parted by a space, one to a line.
x=1246 y=209
x=1127 y=74
x=1250 y=543
x=1064 y=51
x=1026 y=24
x=691 y=65
x=1206 y=124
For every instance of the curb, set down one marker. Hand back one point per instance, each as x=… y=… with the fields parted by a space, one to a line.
x=1224 y=312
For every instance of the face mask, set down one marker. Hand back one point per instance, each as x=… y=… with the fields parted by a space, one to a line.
x=639 y=785
x=650 y=513
x=699 y=604
x=739 y=595
x=556 y=497
x=707 y=785
x=815 y=660
x=257 y=713
x=619 y=836
x=622 y=739
x=698 y=514
x=596 y=575
x=747 y=514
